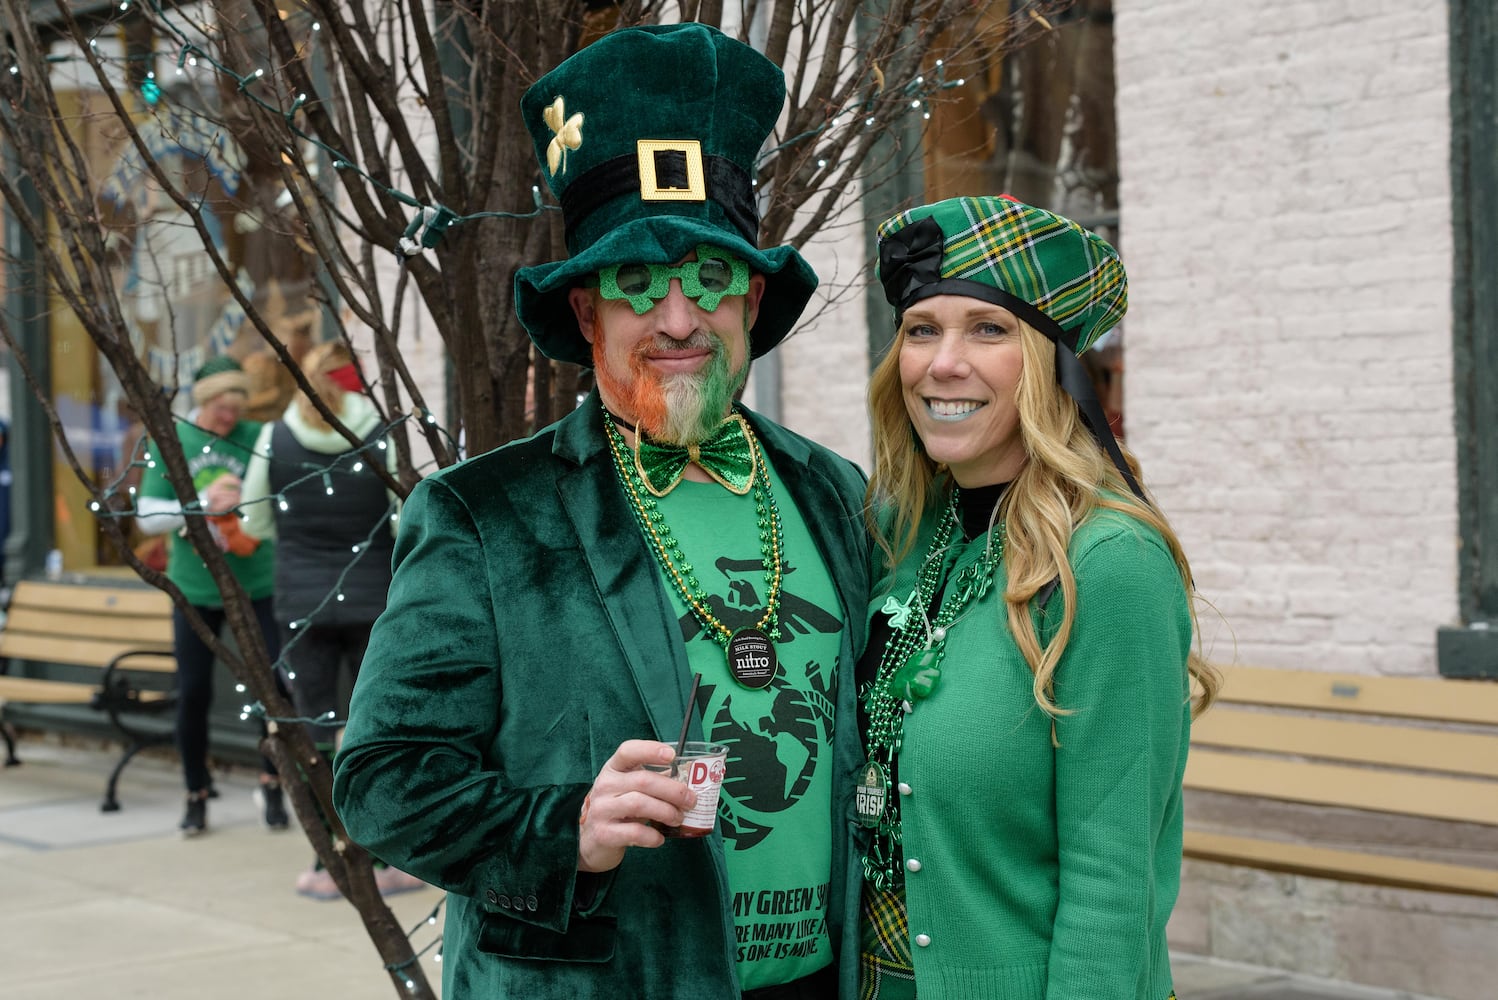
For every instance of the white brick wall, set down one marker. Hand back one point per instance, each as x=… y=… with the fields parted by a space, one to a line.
x=824 y=363
x=1286 y=225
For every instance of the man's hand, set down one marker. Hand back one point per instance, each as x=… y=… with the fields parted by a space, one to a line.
x=624 y=800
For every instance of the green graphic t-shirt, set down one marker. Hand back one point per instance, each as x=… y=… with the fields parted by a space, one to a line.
x=208 y=458
x=775 y=809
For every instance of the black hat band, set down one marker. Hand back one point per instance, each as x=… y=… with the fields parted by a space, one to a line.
x=722 y=181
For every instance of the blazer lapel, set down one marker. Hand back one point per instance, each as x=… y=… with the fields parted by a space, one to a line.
x=624 y=572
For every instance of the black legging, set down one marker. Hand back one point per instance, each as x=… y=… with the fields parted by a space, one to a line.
x=195 y=687
x=316 y=662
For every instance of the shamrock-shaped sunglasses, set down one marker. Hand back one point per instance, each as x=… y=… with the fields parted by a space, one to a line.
x=714 y=274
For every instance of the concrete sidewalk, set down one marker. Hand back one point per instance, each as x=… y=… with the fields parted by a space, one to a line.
x=97 y=906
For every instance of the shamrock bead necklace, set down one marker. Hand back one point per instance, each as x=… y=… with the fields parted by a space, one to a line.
x=909 y=670
x=750 y=651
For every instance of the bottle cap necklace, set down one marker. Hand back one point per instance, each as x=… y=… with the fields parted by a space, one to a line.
x=909 y=671
x=750 y=652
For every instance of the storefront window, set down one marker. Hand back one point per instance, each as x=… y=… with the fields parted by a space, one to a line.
x=196 y=143
x=1035 y=121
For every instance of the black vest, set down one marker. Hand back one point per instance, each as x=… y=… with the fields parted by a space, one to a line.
x=316 y=534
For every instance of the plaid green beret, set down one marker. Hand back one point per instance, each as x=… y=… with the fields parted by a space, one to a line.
x=1065 y=281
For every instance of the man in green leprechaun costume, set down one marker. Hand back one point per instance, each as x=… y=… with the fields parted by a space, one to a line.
x=554 y=599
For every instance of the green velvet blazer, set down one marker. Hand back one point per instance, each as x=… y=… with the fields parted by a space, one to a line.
x=528 y=634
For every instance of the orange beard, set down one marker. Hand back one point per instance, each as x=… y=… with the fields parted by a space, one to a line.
x=638 y=392
x=681 y=409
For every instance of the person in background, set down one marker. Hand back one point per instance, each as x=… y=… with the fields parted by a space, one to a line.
x=333 y=521
x=553 y=599
x=1028 y=678
x=5 y=483
x=218 y=445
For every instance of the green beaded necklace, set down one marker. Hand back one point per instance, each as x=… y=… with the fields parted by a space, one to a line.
x=750 y=651
x=909 y=671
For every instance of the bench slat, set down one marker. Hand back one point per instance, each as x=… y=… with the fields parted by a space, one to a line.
x=1358 y=742
x=1463 y=799
x=139 y=601
x=37 y=691
x=121 y=628
x=1444 y=699
x=1347 y=866
x=40 y=691
x=79 y=652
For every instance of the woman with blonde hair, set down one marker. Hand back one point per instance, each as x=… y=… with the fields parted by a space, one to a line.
x=333 y=520
x=1028 y=682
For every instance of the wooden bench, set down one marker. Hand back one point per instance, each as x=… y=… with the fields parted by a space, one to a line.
x=1382 y=746
x=106 y=646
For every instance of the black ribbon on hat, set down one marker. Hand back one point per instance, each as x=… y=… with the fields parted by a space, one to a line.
x=727 y=183
x=909 y=260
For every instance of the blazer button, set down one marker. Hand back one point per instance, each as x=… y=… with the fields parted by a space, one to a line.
x=492 y=897
x=923 y=940
x=504 y=902
x=531 y=902
x=912 y=864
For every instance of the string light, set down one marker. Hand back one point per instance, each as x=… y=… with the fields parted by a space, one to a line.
x=431 y=221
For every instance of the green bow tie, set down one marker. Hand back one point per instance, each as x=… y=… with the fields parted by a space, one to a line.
x=727 y=456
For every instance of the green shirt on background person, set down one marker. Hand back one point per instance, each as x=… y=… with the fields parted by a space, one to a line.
x=209 y=457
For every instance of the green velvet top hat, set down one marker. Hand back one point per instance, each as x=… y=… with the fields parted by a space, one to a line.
x=648 y=139
x=1065 y=281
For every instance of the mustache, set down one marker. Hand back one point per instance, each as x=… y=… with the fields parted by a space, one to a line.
x=700 y=340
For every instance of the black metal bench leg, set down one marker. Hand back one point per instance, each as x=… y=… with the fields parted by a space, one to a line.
x=111 y=803
x=9 y=732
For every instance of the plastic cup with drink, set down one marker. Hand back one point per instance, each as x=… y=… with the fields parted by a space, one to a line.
x=699 y=766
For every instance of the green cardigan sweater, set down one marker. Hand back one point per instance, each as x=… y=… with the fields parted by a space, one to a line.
x=527 y=635
x=1036 y=872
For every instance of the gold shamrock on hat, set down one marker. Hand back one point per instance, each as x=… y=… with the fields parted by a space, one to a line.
x=569 y=134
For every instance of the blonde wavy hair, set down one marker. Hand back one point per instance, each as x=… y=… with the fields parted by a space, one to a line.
x=1065 y=478
x=318 y=362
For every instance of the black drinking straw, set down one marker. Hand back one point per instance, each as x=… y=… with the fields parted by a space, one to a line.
x=681 y=743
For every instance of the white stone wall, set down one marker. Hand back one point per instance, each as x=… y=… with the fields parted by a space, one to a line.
x=1286 y=225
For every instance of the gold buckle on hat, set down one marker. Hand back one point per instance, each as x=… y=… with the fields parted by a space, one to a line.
x=650 y=189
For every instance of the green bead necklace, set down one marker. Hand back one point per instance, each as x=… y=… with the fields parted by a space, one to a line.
x=909 y=671
x=750 y=652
